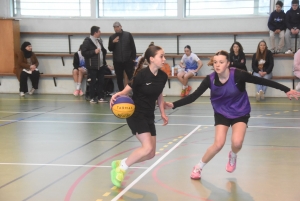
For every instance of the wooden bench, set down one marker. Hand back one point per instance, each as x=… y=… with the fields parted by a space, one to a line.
x=54 y=76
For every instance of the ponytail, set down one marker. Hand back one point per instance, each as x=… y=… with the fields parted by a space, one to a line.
x=139 y=66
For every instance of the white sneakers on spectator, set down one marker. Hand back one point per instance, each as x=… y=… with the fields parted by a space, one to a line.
x=289 y=52
x=22 y=94
x=31 y=91
x=298 y=87
x=260 y=95
x=101 y=100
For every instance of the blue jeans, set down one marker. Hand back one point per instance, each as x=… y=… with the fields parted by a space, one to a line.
x=262 y=87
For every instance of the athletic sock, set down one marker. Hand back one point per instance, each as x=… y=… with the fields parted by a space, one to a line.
x=78 y=86
x=184 y=87
x=123 y=165
x=233 y=155
x=201 y=164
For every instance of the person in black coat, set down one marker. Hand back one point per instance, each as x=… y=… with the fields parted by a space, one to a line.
x=292 y=19
x=276 y=25
x=237 y=56
x=122 y=45
x=262 y=66
x=94 y=54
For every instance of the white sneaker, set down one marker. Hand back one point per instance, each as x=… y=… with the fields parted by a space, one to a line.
x=298 y=87
x=31 y=91
x=22 y=94
x=257 y=96
x=101 y=100
x=262 y=95
x=289 y=52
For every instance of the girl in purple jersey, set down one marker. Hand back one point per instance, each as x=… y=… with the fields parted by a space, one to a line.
x=231 y=106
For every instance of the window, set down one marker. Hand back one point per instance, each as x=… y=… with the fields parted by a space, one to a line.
x=52 y=8
x=226 y=7
x=137 y=8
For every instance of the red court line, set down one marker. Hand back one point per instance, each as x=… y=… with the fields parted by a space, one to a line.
x=74 y=185
x=155 y=177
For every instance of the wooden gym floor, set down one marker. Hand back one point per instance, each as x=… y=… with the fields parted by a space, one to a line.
x=59 y=148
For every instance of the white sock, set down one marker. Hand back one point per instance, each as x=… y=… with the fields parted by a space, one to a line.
x=233 y=155
x=184 y=87
x=124 y=165
x=201 y=164
x=78 y=86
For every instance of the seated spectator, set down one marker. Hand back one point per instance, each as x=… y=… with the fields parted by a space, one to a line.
x=297 y=67
x=237 y=56
x=262 y=65
x=276 y=25
x=78 y=72
x=27 y=64
x=190 y=63
x=292 y=19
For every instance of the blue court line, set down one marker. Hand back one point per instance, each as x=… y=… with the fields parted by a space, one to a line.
x=21 y=119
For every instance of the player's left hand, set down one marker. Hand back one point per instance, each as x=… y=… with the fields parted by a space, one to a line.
x=293 y=93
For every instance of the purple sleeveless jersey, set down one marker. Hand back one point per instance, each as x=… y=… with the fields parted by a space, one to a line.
x=228 y=100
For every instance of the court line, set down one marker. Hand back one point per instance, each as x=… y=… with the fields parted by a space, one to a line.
x=158 y=115
x=154 y=164
x=62 y=165
x=124 y=123
x=61 y=156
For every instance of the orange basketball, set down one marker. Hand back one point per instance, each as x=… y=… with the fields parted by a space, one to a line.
x=123 y=107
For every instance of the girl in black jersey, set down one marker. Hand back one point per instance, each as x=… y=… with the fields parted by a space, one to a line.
x=147 y=86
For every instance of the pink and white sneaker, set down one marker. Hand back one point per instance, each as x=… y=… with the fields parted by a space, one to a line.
x=76 y=93
x=196 y=173
x=231 y=165
x=80 y=93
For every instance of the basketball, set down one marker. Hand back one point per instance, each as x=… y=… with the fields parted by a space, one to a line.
x=123 y=107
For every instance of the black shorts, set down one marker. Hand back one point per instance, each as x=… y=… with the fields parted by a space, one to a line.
x=140 y=125
x=221 y=120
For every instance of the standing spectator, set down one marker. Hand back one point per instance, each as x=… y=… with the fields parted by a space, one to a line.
x=27 y=67
x=292 y=24
x=191 y=63
x=262 y=65
x=297 y=67
x=237 y=56
x=78 y=72
x=276 y=25
x=124 y=53
x=94 y=54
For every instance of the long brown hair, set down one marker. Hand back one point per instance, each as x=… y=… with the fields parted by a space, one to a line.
x=260 y=55
x=221 y=52
x=150 y=52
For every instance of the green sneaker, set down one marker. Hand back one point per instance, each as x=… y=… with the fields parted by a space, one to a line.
x=115 y=164
x=117 y=176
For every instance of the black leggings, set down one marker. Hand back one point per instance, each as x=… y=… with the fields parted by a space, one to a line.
x=34 y=77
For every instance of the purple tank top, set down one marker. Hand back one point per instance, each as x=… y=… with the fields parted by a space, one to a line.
x=227 y=99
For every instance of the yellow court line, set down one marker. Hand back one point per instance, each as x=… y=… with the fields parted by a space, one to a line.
x=106 y=194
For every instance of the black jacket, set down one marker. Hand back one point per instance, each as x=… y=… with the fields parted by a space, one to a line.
x=268 y=65
x=92 y=60
x=277 y=21
x=76 y=61
x=124 y=50
x=293 y=18
x=235 y=61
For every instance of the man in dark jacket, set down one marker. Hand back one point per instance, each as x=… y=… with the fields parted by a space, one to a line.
x=124 y=53
x=94 y=55
x=276 y=25
x=292 y=24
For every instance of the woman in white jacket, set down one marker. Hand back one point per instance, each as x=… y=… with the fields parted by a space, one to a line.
x=297 y=67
